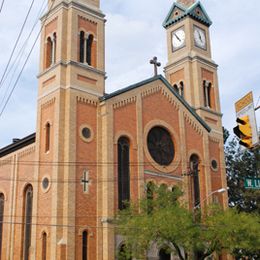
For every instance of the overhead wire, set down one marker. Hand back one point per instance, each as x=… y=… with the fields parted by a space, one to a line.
x=26 y=60
x=2 y=6
x=16 y=42
x=19 y=56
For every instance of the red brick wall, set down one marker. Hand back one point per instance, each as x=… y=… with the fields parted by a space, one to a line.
x=86 y=203
x=125 y=122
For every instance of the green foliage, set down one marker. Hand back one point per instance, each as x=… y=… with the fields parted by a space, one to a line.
x=241 y=164
x=171 y=225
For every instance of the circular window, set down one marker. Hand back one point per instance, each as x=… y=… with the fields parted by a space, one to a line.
x=45 y=183
x=86 y=133
x=214 y=164
x=160 y=146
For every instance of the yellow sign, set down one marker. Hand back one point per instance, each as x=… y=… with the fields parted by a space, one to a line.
x=244 y=102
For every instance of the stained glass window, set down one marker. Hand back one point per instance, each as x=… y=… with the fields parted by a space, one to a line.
x=160 y=146
x=123 y=172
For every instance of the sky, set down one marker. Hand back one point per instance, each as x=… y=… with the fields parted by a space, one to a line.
x=134 y=34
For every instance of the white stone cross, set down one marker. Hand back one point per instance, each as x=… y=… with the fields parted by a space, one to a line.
x=85 y=181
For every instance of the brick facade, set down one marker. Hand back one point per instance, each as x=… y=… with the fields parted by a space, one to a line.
x=85 y=125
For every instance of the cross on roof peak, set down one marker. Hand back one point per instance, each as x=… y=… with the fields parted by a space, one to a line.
x=156 y=64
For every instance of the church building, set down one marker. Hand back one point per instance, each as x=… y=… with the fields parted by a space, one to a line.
x=61 y=187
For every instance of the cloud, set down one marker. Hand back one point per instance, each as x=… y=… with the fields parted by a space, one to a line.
x=134 y=34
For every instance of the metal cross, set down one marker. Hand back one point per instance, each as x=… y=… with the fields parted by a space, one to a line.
x=85 y=181
x=156 y=64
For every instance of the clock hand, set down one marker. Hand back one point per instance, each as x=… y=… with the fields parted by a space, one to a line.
x=200 y=37
x=177 y=37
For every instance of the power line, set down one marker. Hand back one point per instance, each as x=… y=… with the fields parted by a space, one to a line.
x=17 y=40
x=26 y=60
x=20 y=53
x=95 y=163
x=2 y=6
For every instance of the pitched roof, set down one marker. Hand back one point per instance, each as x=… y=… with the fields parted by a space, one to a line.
x=19 y=144
x=195 y=11
x=168 y=85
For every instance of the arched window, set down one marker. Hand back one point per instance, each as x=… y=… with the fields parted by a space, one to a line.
x=206 y=92
x=85 y=245
x=89 y=49
x=164 y=255
x=175 y=87
x=54 y=47
x=181 y=89
x=44 y=246
x=27 y=222
x=123 y=254
x=194 y=166
x=149 y=195
x=81 y=46
x=123 y=171
x=49 y=52
x=47 y=136
x=2 y=204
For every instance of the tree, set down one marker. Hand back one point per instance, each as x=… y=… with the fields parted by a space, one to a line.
x=163 y=220
x=240 y=164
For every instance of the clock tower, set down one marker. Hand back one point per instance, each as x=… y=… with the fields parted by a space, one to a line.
x=190 y=68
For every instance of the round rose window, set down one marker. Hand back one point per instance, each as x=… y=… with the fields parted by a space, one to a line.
x=160 y=145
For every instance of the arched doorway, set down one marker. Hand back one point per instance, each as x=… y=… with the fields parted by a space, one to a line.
x=164 y=255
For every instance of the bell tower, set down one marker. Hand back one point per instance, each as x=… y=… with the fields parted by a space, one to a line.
x=190 y=68
x=70 y=82
x=72 y=47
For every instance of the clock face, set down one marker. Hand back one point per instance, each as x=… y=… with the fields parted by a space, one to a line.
x=200 y=38
x=178 y=39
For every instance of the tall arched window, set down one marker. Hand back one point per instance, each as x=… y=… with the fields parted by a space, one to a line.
x=81 y=46
x=49 y=52
x=164 y=255
x=194 y=166
x=47 y=136
x=123 y=253
x=2 y=204
x=27 y=222
x=123 y=171
x=51 y=47
x=206 y=92
x=89 y=49
x=44 y=246
x=181 y=91
x=175 y=87
x=85 y=245
x=54 y=48
x=149 y=195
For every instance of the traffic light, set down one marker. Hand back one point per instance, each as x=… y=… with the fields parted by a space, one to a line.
x=244 y=131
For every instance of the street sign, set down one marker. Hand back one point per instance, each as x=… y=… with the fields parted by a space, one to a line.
x=245 y=107
x=252 y=183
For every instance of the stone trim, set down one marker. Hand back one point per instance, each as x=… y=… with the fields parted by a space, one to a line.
x=214 y=139
x=167 y=176
x=170 y=99
x=193 y=124
x=25 y=152
x=48 y=103
x=150 y=91
x=48 y=81
x=6 y=161
x=86 y=19
x=124 y=102
x=86 y=101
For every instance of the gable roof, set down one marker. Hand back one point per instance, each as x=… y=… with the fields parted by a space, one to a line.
x=195 y=11
x=168 y=85
x=19 y=144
